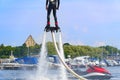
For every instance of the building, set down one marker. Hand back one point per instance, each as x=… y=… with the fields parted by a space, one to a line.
x=30 y=41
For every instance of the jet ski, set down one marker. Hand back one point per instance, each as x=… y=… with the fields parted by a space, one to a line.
x=95 y=73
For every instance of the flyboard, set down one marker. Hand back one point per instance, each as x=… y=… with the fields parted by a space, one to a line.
x=54 y=30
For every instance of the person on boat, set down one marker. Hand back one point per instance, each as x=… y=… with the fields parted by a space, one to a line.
x=52 y=5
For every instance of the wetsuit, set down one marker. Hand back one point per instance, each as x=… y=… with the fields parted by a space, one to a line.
x=52 y=5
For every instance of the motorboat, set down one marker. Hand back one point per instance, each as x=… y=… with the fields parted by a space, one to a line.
x=95 y=73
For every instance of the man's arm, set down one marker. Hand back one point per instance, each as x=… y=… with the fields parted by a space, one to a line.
x=46 y=4
x=58 y=4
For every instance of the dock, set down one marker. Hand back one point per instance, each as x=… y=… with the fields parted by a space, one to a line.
x=16 y=66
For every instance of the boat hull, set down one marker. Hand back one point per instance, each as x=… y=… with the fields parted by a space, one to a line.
x=97 y=76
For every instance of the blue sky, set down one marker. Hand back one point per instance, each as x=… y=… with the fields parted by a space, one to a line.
x=85 y=22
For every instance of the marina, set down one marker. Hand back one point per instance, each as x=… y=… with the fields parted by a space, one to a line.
x=82 y=65
x=30 y=64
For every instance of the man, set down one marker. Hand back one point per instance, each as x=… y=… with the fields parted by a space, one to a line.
x=52 y=5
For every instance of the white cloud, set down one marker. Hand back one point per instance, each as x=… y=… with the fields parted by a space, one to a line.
x=76 y=42
x=99 y=43
x=85 y=29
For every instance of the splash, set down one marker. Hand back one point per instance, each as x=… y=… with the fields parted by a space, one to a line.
x=42 y=66
x=43 y=71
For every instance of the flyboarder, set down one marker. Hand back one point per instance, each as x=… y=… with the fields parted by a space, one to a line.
x=52 y=5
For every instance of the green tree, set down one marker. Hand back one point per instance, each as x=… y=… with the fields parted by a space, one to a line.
x=51 y=48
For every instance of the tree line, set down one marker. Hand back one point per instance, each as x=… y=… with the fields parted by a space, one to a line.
x=72 y=50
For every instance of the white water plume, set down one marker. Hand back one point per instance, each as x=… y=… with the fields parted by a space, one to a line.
x=63 y=70
x=42 y=66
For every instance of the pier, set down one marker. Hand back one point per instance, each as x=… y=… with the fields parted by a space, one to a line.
x=17 y=66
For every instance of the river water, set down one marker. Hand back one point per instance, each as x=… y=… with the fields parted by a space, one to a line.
x=115 y=71
x=30 y=74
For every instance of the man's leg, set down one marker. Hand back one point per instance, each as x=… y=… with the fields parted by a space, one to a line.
x=48 y=15
x=47 y=28
x=55 y=17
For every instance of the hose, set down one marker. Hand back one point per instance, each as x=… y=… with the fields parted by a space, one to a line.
x=66 y=66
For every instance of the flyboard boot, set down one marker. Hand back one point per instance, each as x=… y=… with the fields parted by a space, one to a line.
x=47 y=28
x=52 y=29
x=57 y=28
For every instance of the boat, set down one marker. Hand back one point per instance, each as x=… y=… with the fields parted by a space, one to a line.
x=95 y=73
